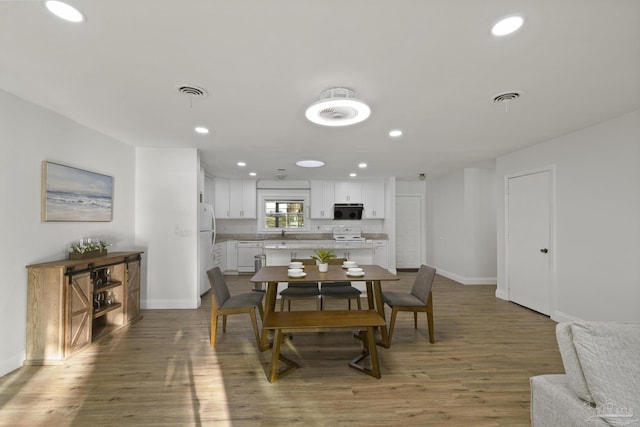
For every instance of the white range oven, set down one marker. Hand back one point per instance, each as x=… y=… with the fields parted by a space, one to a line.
x=346 y=237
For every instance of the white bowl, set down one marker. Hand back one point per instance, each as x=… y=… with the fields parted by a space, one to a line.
x=295 y=264
x=297 y=274
x=294 y=271
x=349 y=264
x=354 y=270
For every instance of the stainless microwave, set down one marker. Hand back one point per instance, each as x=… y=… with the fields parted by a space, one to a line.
x=347 y=210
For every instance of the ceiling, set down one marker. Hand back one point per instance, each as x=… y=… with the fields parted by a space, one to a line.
x=430 y=68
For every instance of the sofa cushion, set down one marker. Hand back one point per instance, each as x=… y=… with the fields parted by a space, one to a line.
x=571 y=363
x=609 y=354
x=553 y=403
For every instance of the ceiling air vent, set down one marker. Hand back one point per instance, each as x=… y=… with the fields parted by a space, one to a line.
x=506 y=97
x=194 y=91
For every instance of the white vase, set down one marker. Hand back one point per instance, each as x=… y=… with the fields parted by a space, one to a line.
x=323 y=268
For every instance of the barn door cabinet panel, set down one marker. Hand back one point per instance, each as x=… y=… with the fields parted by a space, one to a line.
x=72 y=303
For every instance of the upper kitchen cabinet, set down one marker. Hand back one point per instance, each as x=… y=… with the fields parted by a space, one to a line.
x=235 y=199
x=373 y=200
x=348 y=192
x=322 y=194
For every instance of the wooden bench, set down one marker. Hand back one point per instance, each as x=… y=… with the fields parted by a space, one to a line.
x=324 y=321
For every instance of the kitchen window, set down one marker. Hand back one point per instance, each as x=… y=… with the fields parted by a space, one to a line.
x=283 y=211
x=287 y=214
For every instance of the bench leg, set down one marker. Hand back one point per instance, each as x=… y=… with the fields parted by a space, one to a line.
x=276 y=356
x=369 y=349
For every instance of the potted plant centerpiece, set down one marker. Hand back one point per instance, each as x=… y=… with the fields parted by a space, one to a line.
x=322 y=256
x=88 y=248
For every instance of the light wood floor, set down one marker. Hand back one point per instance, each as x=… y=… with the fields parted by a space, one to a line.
x=162 y=372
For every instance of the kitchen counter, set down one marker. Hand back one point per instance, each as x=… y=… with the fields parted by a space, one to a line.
x=276 y=239
x=318 y=244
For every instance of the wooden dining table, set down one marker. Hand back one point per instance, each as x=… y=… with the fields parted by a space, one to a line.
x=373 y=276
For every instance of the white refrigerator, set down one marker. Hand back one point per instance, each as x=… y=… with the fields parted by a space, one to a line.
x=206 y=240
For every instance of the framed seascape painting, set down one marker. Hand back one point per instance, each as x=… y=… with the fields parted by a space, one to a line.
x=72 y=194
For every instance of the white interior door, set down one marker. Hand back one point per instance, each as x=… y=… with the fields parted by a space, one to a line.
x=529 y=235
x=408 y=231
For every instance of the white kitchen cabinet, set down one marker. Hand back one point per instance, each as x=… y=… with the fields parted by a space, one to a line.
x=322 y=199
x=235 y=199
x=232 y=256
x=348 y=192
x=220 y=256
x=380 y=253
x=246 y=255
x=209 y=190
x=242 y=199
x=221 y=198
x=277 y=257
x=373 y=200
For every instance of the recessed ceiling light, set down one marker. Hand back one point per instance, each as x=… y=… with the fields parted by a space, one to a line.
x=64 y=11
x=253 y=173
x=338 y=107
x=353 y=174
x=395 y=133
x=362 y=165
x=241 y=164
x=309 y=163
x=507 y=26
x=202 y=130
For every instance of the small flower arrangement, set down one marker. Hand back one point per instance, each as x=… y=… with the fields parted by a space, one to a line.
x=88 y=245
x=323 y=255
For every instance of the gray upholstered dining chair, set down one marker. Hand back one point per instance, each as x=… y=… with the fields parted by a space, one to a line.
x=300 y=290
x=339 y=290
x=418 y=300
x=223 y=304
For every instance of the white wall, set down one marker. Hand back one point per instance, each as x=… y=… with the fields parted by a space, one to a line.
x=597 y=218
x=28 y=135
x=166 y=226
x=461 y=223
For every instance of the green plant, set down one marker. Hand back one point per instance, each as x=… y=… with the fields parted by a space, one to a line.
x=323 y=255
x=87 y=245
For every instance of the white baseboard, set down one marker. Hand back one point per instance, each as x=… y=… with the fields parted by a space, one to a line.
x=559 y=316
x=502 y=294
x=168 y=305
x=467 y=280
x=12 y=363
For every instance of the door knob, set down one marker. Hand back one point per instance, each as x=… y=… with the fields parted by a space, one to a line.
x=544 y=250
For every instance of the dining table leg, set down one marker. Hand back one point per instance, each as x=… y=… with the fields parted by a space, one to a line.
x=269 y=307
x=379 y=304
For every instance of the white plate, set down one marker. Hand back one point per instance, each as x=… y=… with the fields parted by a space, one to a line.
x=297 y=276
x=358 y=274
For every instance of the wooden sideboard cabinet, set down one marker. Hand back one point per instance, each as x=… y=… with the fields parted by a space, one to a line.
x=72 y=303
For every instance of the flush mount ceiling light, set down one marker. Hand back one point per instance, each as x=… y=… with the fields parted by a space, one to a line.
x=309 y=163
x=64 y=11
x=395 y=133
x=202 y=130
x=338 y=107
x=507 y=26
x=362 y=165
x=242 y=164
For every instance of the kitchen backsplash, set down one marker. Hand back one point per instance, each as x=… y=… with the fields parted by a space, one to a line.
x=323 y=227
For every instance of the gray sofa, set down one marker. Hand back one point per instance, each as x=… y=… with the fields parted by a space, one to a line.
x=601 y=384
